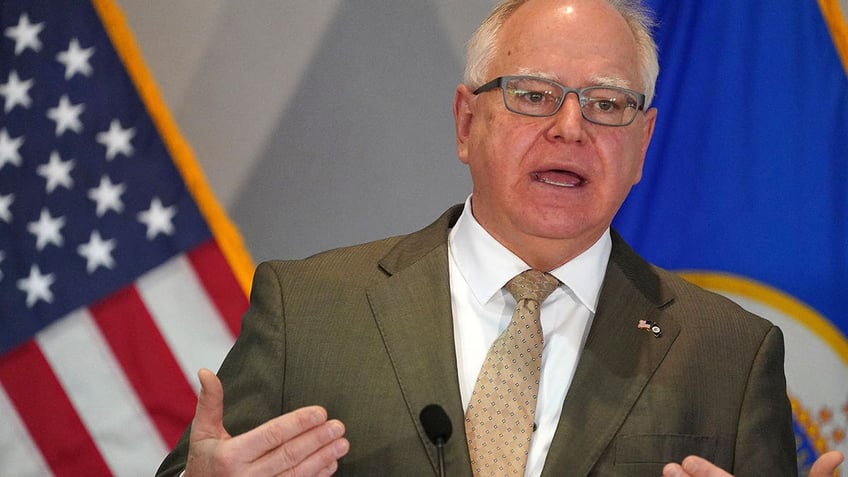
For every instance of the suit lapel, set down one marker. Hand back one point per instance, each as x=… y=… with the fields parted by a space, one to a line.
x=412 y=310
x=616 y=364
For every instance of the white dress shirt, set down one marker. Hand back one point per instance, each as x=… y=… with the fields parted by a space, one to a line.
x=479 y=268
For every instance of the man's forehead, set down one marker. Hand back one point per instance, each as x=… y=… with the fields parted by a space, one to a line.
x=531 y=15
x=546 y=37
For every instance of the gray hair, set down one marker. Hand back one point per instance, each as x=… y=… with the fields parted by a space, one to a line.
x=482 y=46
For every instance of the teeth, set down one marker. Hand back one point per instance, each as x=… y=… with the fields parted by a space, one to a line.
x=550 y=180
x=560 y=184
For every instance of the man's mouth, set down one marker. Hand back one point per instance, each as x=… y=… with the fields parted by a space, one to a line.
x=559 y=178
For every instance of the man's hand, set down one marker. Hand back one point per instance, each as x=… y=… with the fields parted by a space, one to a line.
x=826 y=464
x=300 y=443
x=694 y=466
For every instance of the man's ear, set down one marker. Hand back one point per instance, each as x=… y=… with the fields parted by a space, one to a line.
x=462 y=116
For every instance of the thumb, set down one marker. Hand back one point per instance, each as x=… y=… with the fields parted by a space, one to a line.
x=700 y=467
x=208 y=420
x=826 y=464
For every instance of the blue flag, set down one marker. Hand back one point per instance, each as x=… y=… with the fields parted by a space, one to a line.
x=745 y=187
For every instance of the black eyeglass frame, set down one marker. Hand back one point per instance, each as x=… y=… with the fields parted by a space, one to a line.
x=501 y=80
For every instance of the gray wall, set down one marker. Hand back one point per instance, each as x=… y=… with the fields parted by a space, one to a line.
x=319 y=123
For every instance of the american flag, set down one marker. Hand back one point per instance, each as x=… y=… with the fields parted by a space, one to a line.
x=120 y=276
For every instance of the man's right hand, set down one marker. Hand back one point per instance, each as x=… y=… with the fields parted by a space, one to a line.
x=694 y=466
x=300 y=443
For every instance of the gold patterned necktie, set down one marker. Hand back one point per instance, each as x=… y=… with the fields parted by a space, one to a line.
x=499 y=420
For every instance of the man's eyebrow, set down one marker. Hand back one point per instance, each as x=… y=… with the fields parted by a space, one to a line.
x=598 y=80
x=536 y=73
x=616 y=81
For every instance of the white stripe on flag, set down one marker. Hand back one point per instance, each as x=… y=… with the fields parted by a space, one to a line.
x=187 y=319
x=101 y=395
x=18 y=453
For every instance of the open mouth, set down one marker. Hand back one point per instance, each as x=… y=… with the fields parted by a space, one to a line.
x=559 y=178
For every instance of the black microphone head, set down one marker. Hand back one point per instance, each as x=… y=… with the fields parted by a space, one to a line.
x=436 y=423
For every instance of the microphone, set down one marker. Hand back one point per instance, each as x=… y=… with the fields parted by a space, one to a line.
x=438 y=428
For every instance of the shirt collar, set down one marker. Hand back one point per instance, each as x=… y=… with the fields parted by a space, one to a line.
x=486 y=265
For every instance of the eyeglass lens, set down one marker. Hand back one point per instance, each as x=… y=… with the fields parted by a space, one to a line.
x=599 y=104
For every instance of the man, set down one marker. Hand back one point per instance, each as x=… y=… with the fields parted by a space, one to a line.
x=638 y=368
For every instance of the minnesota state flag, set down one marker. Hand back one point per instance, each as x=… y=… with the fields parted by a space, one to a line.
x=745 y=190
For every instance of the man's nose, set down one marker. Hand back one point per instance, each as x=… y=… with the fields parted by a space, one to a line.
x=568 y=123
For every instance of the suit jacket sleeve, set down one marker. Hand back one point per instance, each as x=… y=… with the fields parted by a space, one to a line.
x=765 y=414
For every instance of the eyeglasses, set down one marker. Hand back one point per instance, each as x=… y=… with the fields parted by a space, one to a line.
x=539 y=97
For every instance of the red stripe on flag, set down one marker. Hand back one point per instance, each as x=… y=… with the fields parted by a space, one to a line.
x=220 y=283
x=48 y=414
x=147 y=362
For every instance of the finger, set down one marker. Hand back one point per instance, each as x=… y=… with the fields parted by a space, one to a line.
x=307 y=453
x=208 y=420
x=826 y=464
x=328 y=471
x=325 y=472
x=700 y=467
x=273 y=434
x=673 y=470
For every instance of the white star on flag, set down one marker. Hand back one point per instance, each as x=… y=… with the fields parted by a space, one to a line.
x=5 y=203
x=25 y=34
x=107 y=196
x=47 y=230
x=116 y=140
x=37 y=286
x=66 y=116
x=9 y=149
x=97 y=252
x=2 y=256
x=158 y=219
x=57 y=172
x=16 y=92
x=75 y=59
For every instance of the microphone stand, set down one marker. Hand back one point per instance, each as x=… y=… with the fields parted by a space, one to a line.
x=440 y=450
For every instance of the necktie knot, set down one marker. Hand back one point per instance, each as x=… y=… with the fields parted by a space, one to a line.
x=532 y=285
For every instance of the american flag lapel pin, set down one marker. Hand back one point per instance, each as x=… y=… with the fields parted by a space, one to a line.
x=650 y=326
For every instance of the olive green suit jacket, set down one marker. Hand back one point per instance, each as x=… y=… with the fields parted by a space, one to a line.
x=366 y=331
